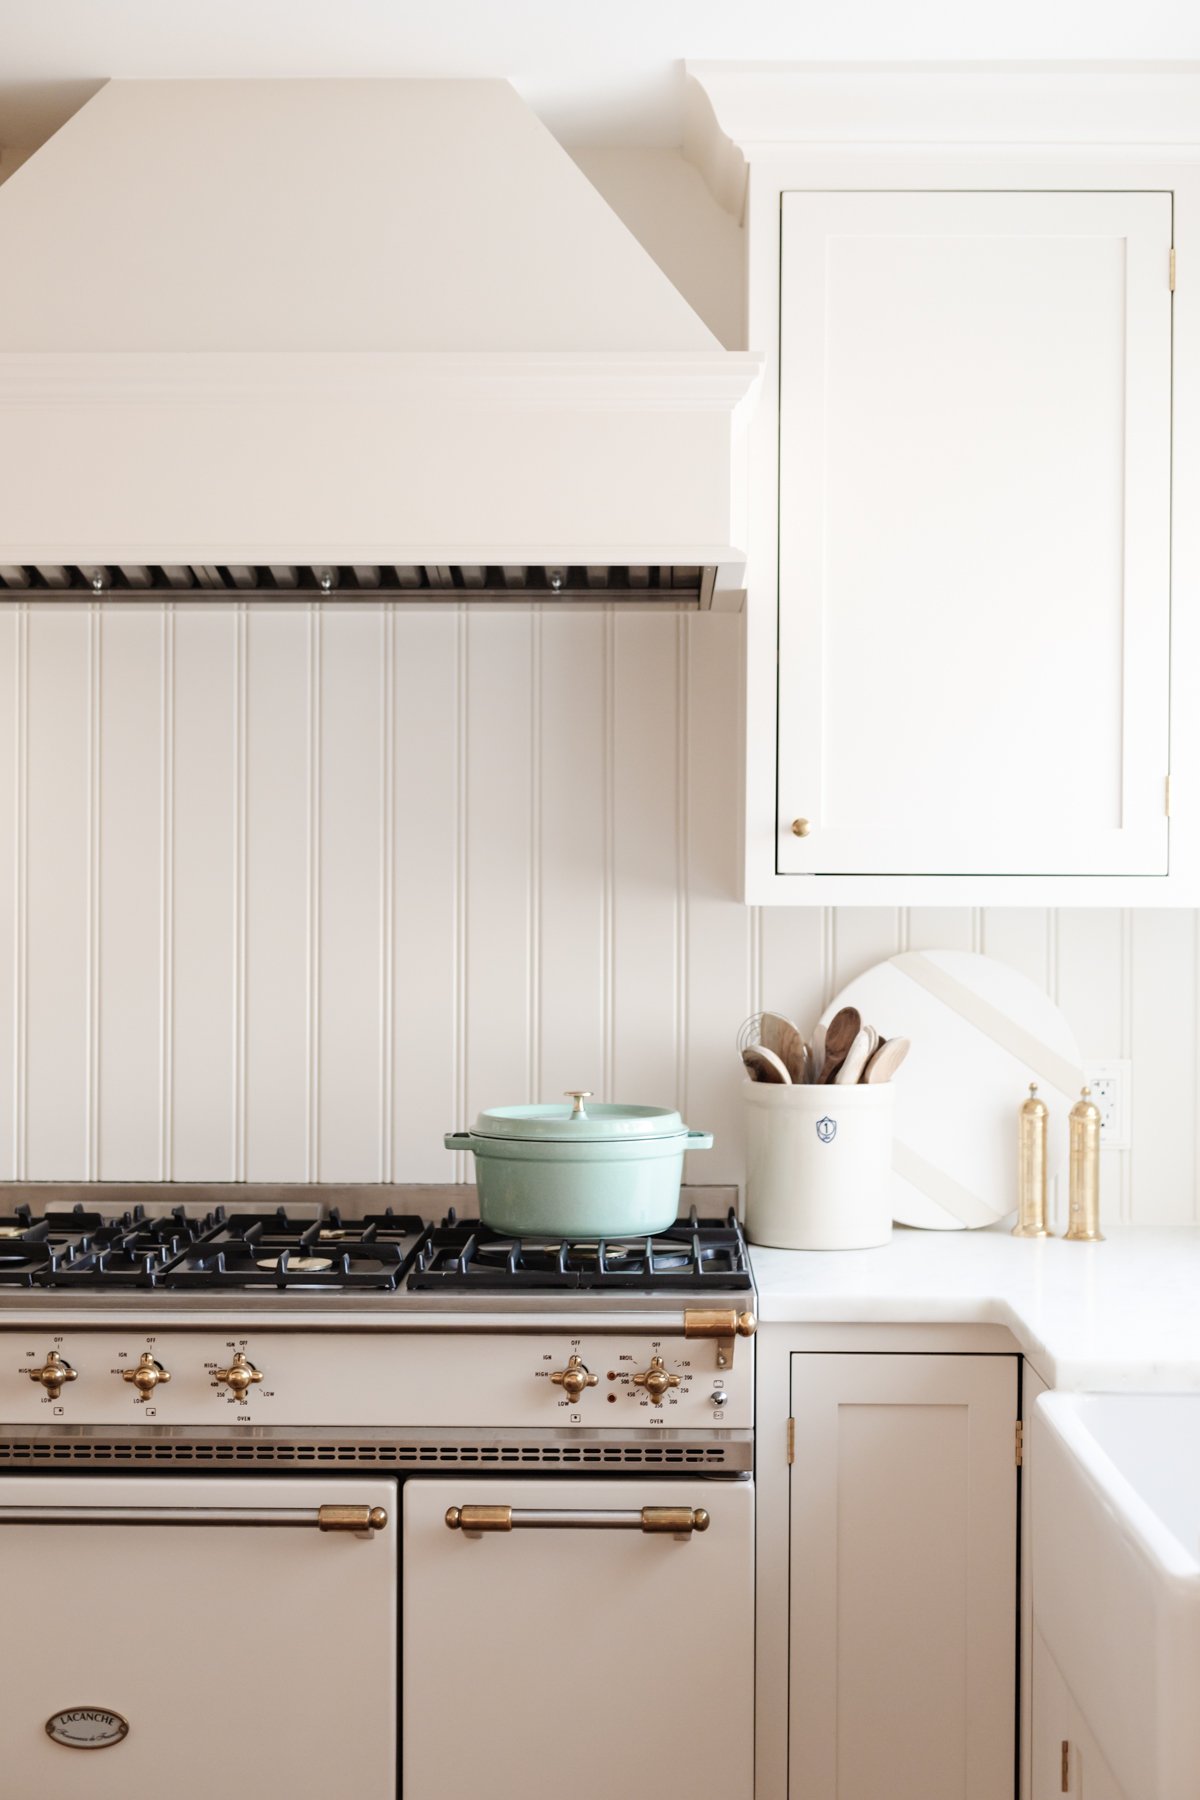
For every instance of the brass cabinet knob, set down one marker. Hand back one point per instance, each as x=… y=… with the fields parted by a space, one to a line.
x=573 y=1379
x=800 y=827
x=147 y=1375
x=656 y=1380
x=239 y=1376
x=52 y=1374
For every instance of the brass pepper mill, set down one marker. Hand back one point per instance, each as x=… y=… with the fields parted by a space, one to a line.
x=1032 y=1121
x=1083 y=1223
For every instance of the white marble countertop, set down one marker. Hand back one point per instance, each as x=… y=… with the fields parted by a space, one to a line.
x=1122 y=1315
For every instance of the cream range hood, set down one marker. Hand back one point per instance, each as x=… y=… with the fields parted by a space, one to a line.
x=349 y=337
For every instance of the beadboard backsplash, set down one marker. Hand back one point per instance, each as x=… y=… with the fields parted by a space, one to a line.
x=287 y=892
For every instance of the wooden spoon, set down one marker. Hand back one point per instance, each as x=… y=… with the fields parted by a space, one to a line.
x=780 y=1035
x=764 y=1065
x=887 y=1059
x=857 y=1058
x=840 y=1033
x=774 y=1031
x=799 y=1064
x=816 y=1051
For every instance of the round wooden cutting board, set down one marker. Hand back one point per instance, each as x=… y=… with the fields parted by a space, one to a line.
x=981 y=1032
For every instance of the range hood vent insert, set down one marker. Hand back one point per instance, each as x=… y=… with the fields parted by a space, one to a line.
x=682 y=586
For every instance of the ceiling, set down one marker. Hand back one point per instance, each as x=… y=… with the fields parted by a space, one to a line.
x=597 y=71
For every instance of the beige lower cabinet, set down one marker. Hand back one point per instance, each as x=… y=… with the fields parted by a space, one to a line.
x=903 y=1577
x=1066 y=1756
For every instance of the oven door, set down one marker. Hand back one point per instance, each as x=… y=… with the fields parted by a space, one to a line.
x=576 y=1653
x=198 y=1638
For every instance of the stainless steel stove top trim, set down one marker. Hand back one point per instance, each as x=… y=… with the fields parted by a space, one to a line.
x=558 y=1310
x=305 y=1198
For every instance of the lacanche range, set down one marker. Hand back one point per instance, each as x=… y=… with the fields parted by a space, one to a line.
x=394 y=1498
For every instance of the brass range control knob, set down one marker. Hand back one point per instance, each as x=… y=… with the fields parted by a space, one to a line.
x=53 y=1373
x=574 y=1378
x=656 y=1380
x=239 y=1376
x=147 y=1375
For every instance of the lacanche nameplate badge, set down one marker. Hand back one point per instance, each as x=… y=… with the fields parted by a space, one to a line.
x=87 y=1728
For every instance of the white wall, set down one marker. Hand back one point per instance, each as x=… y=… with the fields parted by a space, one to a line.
x=286 y=894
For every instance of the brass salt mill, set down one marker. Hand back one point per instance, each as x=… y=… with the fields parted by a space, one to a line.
x=1032 y=1122
x=1083 y=1222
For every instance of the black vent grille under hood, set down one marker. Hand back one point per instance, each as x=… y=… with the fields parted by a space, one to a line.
x=684 y=586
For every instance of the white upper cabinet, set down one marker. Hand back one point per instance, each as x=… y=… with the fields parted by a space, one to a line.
x=973 y=559
x=974 y=529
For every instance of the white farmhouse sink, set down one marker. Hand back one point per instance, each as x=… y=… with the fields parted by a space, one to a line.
x=1116 y=1576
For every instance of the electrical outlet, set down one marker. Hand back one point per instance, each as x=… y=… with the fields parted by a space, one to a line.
x=1111 y=1084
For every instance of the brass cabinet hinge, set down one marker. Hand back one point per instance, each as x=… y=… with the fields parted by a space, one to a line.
x=1066 y=1766
x=1172 y=268
x=1167 y=797
x=791 y=1442
x=1020 y=1444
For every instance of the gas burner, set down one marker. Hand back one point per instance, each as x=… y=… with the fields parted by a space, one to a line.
x=384 y=1252
x=694 y=1254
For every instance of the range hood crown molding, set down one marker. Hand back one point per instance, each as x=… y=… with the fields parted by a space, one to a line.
x=571 y=409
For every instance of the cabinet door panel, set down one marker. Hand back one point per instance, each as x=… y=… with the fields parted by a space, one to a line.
x=1058 y=1724
x=578 y=1664
x=250 y=1661
x=903 y=1577
x=975 y=396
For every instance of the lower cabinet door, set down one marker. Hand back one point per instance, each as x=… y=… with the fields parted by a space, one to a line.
x=195 y=1639
x=1066 y=1757
x=573 y=1657
x=903 y=1599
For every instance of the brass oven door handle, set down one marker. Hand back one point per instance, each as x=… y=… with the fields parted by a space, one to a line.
x=364 y=1519
x=680 y=1521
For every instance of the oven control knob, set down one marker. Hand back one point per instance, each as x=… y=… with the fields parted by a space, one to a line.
x=52 y=1374
x=656 y=1380
x=573 y=1379
x=239 y=1376
x=147 y=1375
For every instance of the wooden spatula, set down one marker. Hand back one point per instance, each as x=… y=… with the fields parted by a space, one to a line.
x=764 y=1065
x=857 y=1058
x=886 y=1060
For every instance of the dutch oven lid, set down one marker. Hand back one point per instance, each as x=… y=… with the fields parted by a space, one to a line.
x=578 y=1121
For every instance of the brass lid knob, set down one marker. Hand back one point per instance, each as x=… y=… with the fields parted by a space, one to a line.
x=147 y=1375
x=656 y=1380
x=578 y=1095
x=574 y=1378
x=52 y=1374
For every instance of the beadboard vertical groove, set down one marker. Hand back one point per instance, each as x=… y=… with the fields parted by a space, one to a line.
x=461 y=883
x=387 y=902
x=290 y=891
x=313 y=992
x=92 y=1125
x=10 y=878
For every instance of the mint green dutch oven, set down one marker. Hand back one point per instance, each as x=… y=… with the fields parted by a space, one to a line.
x=578 y=1171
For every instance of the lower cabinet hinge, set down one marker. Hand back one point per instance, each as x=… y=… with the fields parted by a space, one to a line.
x=1167 y=798
x=1066 y=1766
x=1020 y=1444
x=791 y=1441
x=1172 y=269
